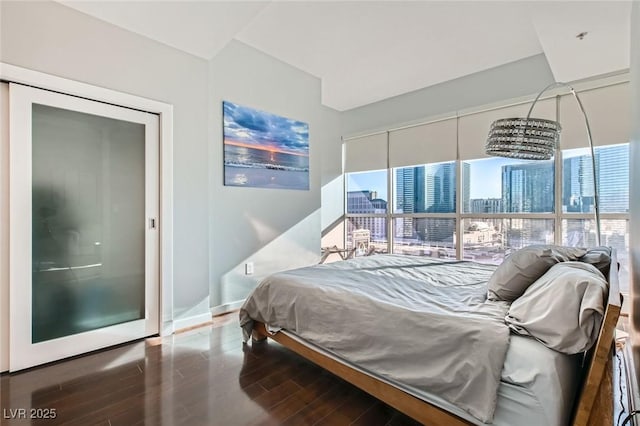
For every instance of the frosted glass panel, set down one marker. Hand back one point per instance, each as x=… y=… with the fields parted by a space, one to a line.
x=88 y=222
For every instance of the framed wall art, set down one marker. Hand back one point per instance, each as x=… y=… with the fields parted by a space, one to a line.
x=264 y=150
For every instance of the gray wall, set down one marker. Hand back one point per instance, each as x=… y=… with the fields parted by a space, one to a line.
x=217 y=228
x=273 y=228
x=520 y=78
x=634 y=194
x=49 y=37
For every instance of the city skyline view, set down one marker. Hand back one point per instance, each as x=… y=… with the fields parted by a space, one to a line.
x=484 y=179
x=526 y=187
x=487 y=171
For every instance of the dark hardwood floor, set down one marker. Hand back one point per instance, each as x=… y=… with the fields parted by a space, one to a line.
x=204 y=376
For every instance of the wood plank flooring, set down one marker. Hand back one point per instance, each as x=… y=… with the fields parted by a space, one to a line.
x=205 y=376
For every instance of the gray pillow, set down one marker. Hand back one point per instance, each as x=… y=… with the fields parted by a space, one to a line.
x=563 y=309
x=524 y=266
x=600 y=257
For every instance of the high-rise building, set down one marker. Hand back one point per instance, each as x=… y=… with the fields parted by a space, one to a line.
x=405 y=200
x=613 y=178
x=439 y=190
x=426 y=189
x=612 y=165
x=466 y=186
x=577 y=184
x=405 y=190
x=366 y=202
x=429 y=188
x=436 y=231
x=363 y=202
x=528 y=187
x=485 y=205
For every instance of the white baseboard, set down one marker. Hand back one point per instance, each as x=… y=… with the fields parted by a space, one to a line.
x=227 y=307
x=166 y=328
x=625 y=309
x=182 y=323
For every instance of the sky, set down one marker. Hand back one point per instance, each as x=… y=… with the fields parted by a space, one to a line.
x=253 y=128
x=486 y=178
x=369 y=181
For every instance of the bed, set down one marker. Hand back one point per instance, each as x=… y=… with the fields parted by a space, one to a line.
x=425 y=336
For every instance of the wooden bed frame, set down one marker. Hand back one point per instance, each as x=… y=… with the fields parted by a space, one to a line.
x=597 y=360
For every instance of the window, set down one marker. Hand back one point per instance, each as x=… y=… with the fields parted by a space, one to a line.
x=367 y=192
x=425 y=236
x=612 y=167
x=508 y=204
x=429 y=188
x=366 y=202
x=424 y=206
x=504 y=185
x=489 y=239
x=479 y=208
x=377 y=227
x=578 y=225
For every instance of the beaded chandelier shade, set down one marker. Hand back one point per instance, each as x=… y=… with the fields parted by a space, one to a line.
x=524 y=138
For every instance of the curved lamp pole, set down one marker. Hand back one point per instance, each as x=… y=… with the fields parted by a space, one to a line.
x=536 y=139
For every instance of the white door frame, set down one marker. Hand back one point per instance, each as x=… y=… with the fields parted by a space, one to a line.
x=12 y=73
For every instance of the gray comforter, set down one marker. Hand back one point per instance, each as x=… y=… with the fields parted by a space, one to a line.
x=419 y=321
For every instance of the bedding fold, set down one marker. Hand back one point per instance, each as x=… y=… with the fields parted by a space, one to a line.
x=419 y=321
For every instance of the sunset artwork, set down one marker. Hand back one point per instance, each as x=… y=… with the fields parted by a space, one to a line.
x=264 y=150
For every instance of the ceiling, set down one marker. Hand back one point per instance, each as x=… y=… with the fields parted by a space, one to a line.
x=366 y=51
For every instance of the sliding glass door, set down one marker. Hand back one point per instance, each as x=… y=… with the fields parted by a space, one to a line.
x=84 y=221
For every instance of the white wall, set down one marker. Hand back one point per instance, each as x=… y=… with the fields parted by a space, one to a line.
x=51 y=38
x=4 y=226
x=275 y=229
x=634 y=194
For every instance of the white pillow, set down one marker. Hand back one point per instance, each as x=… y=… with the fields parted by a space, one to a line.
x=600 y=257
x=563 y=309
x=523 y=267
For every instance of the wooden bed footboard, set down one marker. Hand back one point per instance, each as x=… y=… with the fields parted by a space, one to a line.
x=408 y=404
x=589 y=409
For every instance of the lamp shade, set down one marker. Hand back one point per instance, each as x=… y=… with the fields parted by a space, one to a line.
x=523 y=138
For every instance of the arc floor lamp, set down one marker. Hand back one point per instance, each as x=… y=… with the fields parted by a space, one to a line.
x=537 y=139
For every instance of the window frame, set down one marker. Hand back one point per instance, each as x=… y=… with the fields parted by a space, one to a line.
x=558 y=215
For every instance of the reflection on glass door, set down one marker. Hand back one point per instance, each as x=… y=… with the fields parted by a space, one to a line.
x=87 y=222
x=86 y=238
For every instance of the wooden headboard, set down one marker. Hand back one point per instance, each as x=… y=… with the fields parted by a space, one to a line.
x=600 y=356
